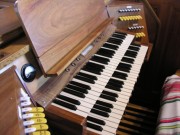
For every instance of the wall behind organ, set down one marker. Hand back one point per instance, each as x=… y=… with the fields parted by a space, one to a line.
x=165 y=59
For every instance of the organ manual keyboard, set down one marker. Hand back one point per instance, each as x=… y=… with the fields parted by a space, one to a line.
x=19 y=116
x=93 y=67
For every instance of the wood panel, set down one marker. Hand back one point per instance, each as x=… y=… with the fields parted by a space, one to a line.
x=9 y=101
x=13 y=51
x=56 y=27
x=165 y=58
x=10 y=27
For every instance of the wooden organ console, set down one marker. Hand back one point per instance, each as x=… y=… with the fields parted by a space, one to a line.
x=19 y=116
x=91 y=66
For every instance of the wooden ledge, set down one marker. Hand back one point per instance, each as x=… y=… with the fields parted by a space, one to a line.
x=13 y=51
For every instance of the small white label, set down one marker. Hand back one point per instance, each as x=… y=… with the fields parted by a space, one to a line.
x=129 y=7
x=29 y=122
x=85 y=51
x=30 y=130
x=27 y=109
x=19 y=112
x=23 y=104
x=24 y=98
x=26 y=116
x=135 y=24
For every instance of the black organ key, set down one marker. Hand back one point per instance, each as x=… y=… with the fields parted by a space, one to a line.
x=95 y=120
x=123 y=69
x=98 y=112
x=125 y=65
x=117 y=82
x=133 y=48
x=110 y=93
x=92 y=70
x=87 y=76
x=115 y=41
x=118 y=36
x=128 y=60
x=94 y=126
x=95 y=65
x=75 y=93
x=102 y=108
x=73 y=101
x=92 y=65
x=114 y=47
x=76 y=88
x=120 y=33
x=104 y=104
x=84 y=79
x=65 y=104
x=119 y=75
x=105 y=52
x=113 y=87
x=80 y=85
x=136 y=45
x=88 y=79
x=130 y=54
x=100 y=60
x=108 y=97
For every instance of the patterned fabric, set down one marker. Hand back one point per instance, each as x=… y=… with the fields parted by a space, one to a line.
x=169 y=115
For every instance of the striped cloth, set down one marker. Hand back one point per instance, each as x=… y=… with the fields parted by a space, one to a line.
x=169 y=115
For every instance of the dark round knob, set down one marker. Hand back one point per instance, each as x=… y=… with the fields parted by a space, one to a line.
x=28 y=72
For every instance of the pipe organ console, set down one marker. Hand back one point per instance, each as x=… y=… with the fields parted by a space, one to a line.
x=90 y=65
x=19 y=115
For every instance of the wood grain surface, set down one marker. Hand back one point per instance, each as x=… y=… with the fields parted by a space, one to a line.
x=10 y=27
x=69 y=123
x=56 y=27
x=13 y=51
x=10 y=123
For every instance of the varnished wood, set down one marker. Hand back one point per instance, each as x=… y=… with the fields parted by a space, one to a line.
x=48 y=91
x=12 y=1
x=60 y=67
x=54 y=36
x=166 y=51
x=69 y=123
x=9 y=101
x=10 y=27
x=178 y=72
x=137 y=107
x=4 y=4
x=136 y=125
x=126 y=129
x=13 y=51
x=91 y=133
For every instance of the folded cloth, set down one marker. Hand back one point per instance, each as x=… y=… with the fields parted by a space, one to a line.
x=169 y=115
